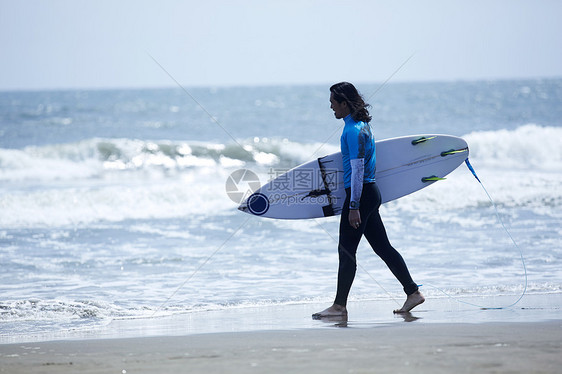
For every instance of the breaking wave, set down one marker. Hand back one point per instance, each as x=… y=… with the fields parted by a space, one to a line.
x=118 y=179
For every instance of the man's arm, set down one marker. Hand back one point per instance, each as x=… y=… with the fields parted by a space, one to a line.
x=357 y=172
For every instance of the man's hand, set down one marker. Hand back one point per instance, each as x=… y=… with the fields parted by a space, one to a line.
x=354 y=218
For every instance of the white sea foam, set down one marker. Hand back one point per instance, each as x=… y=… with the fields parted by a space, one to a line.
x=527 y=147
x=114 y=180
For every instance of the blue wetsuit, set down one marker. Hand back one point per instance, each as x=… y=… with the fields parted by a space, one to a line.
x=358 y=153
x=357 y=142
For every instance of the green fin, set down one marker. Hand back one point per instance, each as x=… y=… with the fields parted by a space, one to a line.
x=422 y=139
x=433 y=178
x=453 y=151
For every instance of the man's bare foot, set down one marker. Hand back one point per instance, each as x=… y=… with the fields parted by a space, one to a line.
x=412 y=301
x=334 y=311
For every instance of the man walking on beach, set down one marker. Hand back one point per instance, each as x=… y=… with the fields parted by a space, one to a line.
x=360 y=215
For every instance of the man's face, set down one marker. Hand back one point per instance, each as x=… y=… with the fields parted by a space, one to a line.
x=341 y=110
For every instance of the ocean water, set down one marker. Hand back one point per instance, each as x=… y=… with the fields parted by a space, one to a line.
x=113 y=203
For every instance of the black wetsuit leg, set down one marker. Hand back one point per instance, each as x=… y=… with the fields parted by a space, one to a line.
x=373 y=229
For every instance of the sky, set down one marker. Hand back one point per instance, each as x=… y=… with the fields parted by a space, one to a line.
x=81 y=44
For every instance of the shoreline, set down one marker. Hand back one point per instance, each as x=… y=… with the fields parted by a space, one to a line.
x=439 y=336
x=298 y=316
x=515 y=347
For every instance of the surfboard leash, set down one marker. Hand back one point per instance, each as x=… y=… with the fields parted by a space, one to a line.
x=471 y=168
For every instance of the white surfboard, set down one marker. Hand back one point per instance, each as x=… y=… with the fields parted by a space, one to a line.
x=315 y=189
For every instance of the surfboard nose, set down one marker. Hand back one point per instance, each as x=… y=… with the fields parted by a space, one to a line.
x=243 y=207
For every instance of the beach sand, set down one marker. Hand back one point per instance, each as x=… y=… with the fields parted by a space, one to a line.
x=403 y=348
x=523 y=339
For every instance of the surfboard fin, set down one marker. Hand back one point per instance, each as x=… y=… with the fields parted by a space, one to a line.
x=433 y=178
x=422 y=139
x=453 y=151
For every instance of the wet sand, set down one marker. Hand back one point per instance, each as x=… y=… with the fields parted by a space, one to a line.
x=398 y=348
x=441 y=337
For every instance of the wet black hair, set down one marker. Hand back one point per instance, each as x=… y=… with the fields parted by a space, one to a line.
x=345 y=91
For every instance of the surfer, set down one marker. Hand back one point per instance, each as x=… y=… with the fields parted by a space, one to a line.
x=360 y=214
